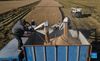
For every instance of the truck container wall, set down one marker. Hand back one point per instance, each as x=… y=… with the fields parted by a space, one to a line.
x=57 y=53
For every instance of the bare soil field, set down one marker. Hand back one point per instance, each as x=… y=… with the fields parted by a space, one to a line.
x=41 y=14
x=20 y=11
x=45 y=10
x=50 y=3
x=8 y=5
x=88 y=7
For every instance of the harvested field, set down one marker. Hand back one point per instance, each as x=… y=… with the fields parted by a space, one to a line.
x=41 y=14
x=88 y=7
x=7 y=24
x=45 y=10
x=50 y=3
x=8 y=5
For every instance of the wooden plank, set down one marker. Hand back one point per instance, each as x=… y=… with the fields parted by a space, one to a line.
x=61 y=53
x=39 y=53
x=72 y=53
x=50 y=53
x=83 y=53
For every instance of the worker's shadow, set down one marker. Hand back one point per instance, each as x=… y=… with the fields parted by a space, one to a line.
x=36 y=38
x=56 y=33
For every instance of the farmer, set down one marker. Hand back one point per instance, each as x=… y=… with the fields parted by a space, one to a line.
x=32 y=26
x=18 y=31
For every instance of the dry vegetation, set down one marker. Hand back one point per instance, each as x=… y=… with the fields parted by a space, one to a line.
x=89 y=6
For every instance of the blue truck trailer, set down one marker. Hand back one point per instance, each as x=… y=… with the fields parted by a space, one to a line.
x=55 y=43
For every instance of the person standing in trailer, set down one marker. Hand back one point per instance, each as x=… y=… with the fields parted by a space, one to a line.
x=32 y=26
x=18 y=31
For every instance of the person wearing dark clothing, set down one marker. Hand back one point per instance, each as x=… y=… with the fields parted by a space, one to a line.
x=33 y=22
x=18 y=31
x=32 y=26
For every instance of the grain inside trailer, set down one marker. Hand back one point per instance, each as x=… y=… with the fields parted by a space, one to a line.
x=66 y=45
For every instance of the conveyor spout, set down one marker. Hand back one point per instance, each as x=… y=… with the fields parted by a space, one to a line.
x=65 y=21
x=46 y=31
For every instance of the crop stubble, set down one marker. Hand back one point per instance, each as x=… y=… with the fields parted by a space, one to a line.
x=45 y=10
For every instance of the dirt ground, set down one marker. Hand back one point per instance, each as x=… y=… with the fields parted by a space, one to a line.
x=50 y=3
x=88 y=6
x=45 y=10
x=8 y=5
x=6 y=33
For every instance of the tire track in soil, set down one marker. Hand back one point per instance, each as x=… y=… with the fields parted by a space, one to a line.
x=45 y=10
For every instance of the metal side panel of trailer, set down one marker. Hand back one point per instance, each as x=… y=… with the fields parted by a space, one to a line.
x=10 y=51
x=35 y=50
x=57 y=53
